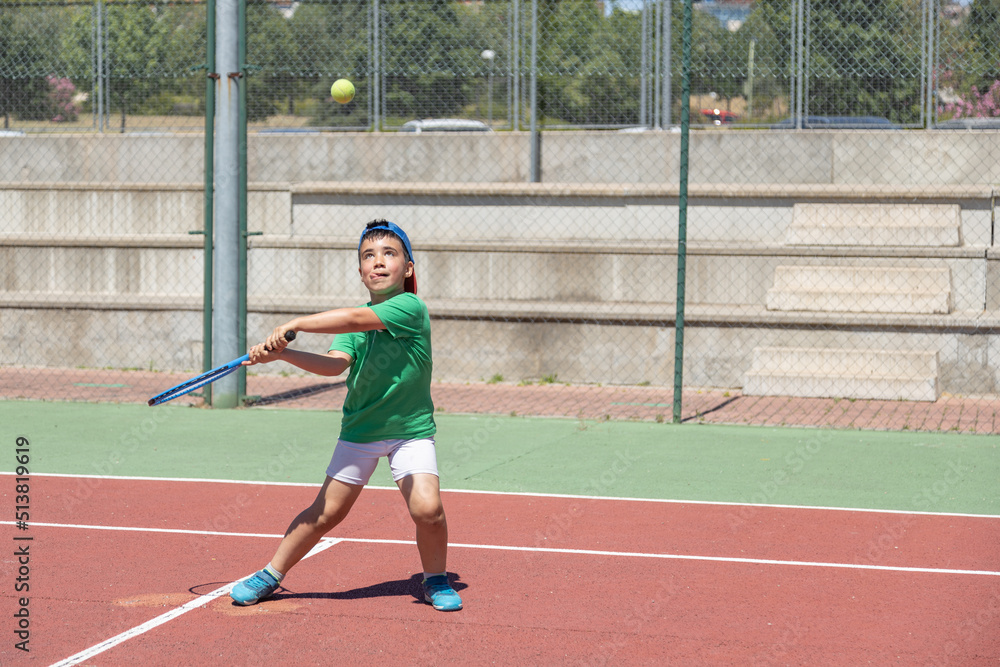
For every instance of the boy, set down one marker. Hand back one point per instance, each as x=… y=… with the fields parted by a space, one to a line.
x=387 y=412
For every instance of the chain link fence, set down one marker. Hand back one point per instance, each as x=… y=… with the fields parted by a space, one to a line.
x=841 y=236
x=102 y=168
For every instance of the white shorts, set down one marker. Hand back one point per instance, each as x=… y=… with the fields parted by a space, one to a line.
x=354 y=463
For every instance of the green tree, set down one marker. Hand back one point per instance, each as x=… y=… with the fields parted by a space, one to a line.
x=270 y=47
x=983 y=27
x=865 y=59
x=769 y=27
x=589 y=64
x=182 y=78
x=149 y=53
x=135 y=53
x=969 y=67
x=570 y=78
x=478 y=28
x=718 y=61
x=864 y=55
x=330 y=41
x=26 y=59
x=422 y=58
x=21 y=89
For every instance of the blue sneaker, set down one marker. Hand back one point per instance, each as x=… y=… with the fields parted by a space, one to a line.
x=438 y=592
x=254 y=589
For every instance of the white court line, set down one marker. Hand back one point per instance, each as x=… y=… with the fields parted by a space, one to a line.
x=532 y=495
x=551 y=550
x=168 y=616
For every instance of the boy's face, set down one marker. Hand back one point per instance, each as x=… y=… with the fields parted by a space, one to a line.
x=384 y=266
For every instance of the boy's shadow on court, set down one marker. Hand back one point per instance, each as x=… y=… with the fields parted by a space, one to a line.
x=398 y=588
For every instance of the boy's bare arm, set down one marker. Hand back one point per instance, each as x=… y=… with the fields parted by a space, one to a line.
x=341 y=320
x=330 y=364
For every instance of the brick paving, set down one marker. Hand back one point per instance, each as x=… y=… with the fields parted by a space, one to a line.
x=949 y=413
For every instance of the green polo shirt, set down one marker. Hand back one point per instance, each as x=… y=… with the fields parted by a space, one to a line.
x=389 y=386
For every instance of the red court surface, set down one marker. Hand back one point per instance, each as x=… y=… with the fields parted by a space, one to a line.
x=545 y=580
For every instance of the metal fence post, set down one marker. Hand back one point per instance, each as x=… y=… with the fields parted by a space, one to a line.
x=667 y=82
x=514 y=107
x=804 y=52
x=682 y=212
x=225 y=316
x=376 y=67
x=536 y=176
x=241 y=198
x=644 y=65
x=209 y=207
x=99 y=28
x=930 y=61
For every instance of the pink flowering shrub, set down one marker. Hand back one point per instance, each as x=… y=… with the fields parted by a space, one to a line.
x=975 y=104
x=61 y=100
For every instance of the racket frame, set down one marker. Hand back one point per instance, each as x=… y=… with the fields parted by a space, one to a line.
x=207 y=377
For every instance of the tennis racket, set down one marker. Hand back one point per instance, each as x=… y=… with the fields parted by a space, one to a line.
x=206 y=377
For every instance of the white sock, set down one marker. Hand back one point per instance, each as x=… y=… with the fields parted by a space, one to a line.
x=428 y=575
x=274 y=573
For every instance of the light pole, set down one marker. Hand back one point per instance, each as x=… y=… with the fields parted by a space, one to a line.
x=489 y=55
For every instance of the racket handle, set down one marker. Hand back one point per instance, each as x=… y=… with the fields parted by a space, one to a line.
x=289 y=336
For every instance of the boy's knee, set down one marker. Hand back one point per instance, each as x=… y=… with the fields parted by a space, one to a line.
x=428 y=514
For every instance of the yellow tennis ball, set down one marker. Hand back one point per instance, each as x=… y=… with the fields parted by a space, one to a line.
x=342 y=91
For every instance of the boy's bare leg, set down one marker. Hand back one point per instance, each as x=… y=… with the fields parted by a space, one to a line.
x=422 y=492
x=333 y=502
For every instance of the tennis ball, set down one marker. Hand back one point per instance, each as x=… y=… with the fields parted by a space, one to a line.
x=342 y=91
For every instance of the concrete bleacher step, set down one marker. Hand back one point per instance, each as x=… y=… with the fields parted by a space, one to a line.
x=857 y=289
x=924 y=225
x=908 y=375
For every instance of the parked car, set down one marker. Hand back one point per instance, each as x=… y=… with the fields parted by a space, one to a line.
x=968 y=124
x=719 y=116
x=839 y=123
x=639 y=129
x=445 y=125
x=288 y=130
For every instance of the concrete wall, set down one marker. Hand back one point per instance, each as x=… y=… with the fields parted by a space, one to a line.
x=574 y=276
x=893 y=159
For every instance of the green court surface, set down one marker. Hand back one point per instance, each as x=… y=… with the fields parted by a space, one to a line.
x=933 y=472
